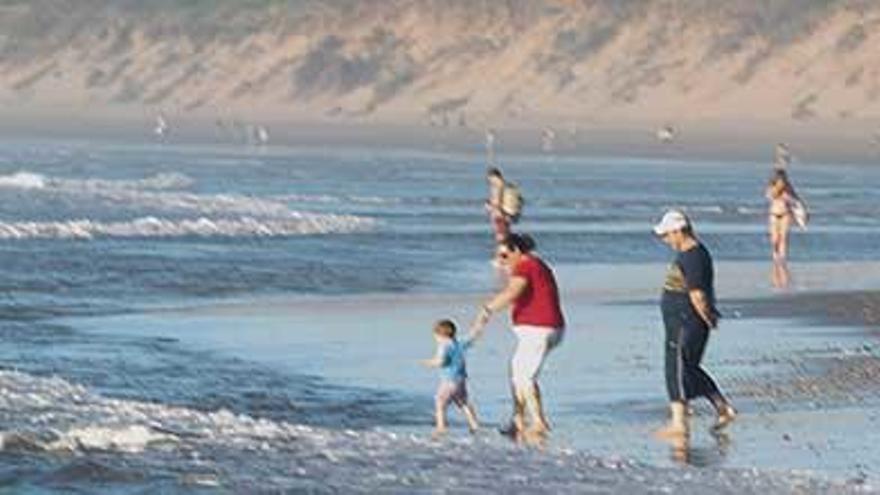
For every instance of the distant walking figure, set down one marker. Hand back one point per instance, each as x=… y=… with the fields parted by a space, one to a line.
x=538 y=324
x=688 y=307
x=504 y=204
x=781 y=156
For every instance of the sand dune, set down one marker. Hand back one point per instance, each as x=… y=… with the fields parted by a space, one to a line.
x=447 y=62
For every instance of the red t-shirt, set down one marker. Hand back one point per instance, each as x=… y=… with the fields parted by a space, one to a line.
x=538 y=304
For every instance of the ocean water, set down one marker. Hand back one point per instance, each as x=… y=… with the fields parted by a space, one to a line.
x=117 y=371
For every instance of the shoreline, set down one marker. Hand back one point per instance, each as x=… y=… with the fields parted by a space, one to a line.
x=813 y=142
x=798 y=389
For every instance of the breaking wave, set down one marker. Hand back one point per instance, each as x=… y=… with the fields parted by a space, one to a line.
x=154 y=199
x=297 y=224
x=161 y=192
x=23 y=180
x=331 y=199
x=29 y=180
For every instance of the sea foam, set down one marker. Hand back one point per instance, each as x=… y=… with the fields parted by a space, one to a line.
x=297 y=224
x=23 y=180
x=51 y=414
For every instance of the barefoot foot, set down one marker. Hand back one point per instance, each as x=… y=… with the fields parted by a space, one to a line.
x=725 y=417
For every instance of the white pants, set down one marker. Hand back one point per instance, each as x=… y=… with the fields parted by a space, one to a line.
x=533 y=344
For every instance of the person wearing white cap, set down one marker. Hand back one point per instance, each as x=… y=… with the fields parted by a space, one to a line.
x=688 y=307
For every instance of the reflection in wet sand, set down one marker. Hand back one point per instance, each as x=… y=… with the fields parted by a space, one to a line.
x=683 y=451
x=780 y=275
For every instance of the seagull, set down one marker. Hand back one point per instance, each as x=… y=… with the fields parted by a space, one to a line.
x=666 y=134
x=262 y=135
x=161 y=128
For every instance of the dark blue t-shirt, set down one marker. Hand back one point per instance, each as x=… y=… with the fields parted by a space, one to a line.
x=690 y=270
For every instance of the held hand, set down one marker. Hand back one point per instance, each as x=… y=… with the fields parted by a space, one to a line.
x=476 y=330
x=480 y=322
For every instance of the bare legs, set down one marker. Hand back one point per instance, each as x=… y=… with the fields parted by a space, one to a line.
x=470 y=415
x=528 y=399
x=466 y=408
x=439 y=419
x=533 y=344
x=518 y=421
x=779 y=227
x=535 y=407
x=501 y=226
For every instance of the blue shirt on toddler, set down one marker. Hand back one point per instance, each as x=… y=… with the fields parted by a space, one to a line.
x=451 y=355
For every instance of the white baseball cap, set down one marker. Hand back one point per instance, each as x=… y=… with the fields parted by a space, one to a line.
x=672 y=221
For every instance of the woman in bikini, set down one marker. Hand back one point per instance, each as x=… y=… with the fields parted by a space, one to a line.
x=779 y=219
x=782 y=197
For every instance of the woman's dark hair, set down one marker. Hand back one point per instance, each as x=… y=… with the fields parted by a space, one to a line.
x=778 y=175
x=519 y=242
x=781 y=175
x=494 y=172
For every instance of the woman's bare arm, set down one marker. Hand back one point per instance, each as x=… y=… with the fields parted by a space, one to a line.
x=515 y=286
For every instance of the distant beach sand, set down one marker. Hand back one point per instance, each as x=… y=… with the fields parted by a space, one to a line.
x=820 y=141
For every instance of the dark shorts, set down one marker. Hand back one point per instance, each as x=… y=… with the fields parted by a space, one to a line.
x=450 y=391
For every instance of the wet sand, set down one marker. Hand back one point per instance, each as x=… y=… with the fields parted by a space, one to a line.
x=857 y=308
x=801 y=380
x=837 y=374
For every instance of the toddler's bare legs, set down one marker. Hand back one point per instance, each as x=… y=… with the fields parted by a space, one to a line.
x=471 y=415
x=439 y=419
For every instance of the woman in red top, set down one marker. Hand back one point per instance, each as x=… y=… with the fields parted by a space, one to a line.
x=537 y=322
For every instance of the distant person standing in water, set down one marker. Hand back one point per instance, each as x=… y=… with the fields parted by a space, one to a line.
x=784 y=207
x=504 y=203
x=689 y=313
x=538 y=324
